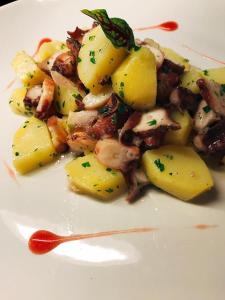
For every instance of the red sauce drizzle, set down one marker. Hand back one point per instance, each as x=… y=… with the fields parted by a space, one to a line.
x=204 y=226
x=10 y=171
x=204 y=55
x=166 y=26
x=10 y=84
x=42 y=41
x=43 y=241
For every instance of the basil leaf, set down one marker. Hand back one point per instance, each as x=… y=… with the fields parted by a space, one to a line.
x=116 y=30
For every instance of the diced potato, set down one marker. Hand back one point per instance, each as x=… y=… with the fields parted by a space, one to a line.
x=16 y=102
x=98 y=59
x=180 y=136
x=188 y=79
x=32 y=146
x=66 y=98
x=48 y=49
x=88 y=176
x=176 y=58
x=135 y=79
x=216 y=74
x=27 y=70
x=177 y=170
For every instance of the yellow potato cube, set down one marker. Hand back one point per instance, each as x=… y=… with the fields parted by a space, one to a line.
x=216 y=74
x=177 y=170
x=16 y=102
x=27 y=70
x=189 y=78
x=88 y=176
x=180 y=136
x=98 y=59
x=32 y=146
x=176 y=58
x=66 y=98
x=48 y=49
x=135 y=79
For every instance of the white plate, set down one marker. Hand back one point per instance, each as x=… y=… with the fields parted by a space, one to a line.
x=175 y=262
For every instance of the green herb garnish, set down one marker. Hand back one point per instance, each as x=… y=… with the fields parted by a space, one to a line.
x=116 y=30
x=91 y=37
x=152 y=122
x=17 y=153
x=206 y=109
x=159 y=165
x=109 y=190
x=79 y=59
x=86 y=164
x=206 y=72
x=92 y=55
x=222 y=89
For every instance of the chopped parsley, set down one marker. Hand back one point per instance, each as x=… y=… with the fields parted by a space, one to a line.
x=114 y=119
x=92 y=57
x=35 y=149
x=91 y=37
x=222 y=89
x=169 y=156
x=206 y=72
x=186 y=60
x=121 y=91
x=159 y=165
x=63 y=46
x=121 y=108
x=111 y=171
x=170 y=173
x=121 y=94
x=63 y=104
x=206 y=109
x=40 y=164
x=109 y=190
x=86 y=164
x=152 y=122
x=79 y=59
x=29 y=74
x=17 y=153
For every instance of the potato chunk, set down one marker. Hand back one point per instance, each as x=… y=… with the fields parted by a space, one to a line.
x=88 y=176
x=16 y=102
x=32 y=146
x=177 y=170
x=98 y=59
x=189 y=78
x=216 y=74
x=66 y=98
x=48 y=49
x=135 y=79
x=180 y=136
x=176 y=58
x=27 y=70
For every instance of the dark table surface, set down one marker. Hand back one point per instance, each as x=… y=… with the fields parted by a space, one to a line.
x=3 y=2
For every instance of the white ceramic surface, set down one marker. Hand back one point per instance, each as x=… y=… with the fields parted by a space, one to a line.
x=175 y=262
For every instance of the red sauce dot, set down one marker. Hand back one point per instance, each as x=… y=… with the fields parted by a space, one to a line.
x=168 y=26
x=43 y=241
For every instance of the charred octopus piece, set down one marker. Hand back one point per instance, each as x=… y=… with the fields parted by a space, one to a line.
x=168 y=78
x=214 y=94
x=184 y=99
x=115 y=155
x=58 y=134
x=46 y=99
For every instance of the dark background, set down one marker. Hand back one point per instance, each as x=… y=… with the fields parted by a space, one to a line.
x=5 y=2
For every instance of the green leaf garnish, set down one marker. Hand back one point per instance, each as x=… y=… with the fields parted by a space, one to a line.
x=159 y=165
x=116 y=30
x=152 y=122
x=206 y=109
